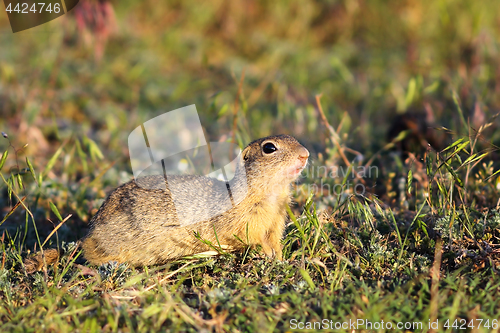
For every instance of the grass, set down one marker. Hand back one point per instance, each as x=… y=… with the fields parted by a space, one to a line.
x=384 y=227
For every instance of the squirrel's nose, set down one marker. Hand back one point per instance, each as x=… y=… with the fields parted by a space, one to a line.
x=303 y=154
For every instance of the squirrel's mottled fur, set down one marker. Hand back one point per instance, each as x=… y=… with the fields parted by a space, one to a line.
x=139 y=224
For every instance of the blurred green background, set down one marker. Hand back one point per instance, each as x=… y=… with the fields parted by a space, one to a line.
x=93 y=75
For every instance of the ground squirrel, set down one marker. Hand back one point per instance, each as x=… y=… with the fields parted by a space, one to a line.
x=139 y=225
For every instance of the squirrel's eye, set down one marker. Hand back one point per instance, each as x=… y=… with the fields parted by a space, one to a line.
x=269 y=148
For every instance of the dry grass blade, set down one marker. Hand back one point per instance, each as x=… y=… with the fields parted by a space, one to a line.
x=235 y=112
x=435 y=276
x=335 y=138
x=12 y=210
x=166 y=277
x=56 y=228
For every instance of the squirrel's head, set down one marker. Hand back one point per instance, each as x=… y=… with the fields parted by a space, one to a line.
x=274 y=160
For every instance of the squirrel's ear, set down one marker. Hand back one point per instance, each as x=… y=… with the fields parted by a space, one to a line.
x=245 y=153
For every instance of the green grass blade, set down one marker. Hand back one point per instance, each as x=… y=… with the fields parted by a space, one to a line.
x=3 y=159
x=55 y=210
